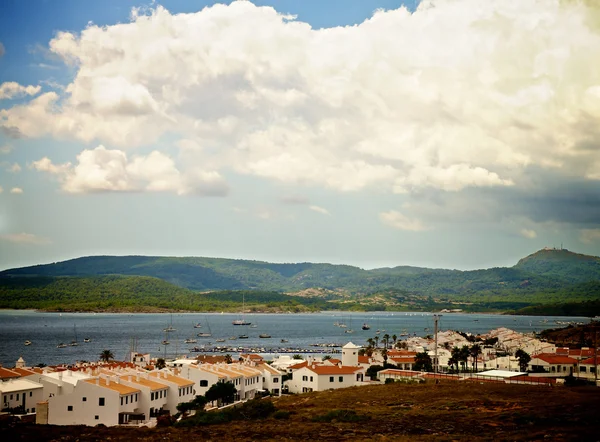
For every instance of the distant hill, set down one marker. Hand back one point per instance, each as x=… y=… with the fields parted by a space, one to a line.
x=547 y=276
x=561 y=263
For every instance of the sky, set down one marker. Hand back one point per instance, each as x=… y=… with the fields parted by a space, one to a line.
x=442 y=133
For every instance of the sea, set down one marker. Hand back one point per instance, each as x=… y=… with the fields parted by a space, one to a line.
x=318 y=333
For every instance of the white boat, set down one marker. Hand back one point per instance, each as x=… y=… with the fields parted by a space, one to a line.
x=191 y=341
x=87 y=340
x=74 y=342
x=366 y=326
x=243 y=320
x=220 y=340
x=243 y=336
x=61 y=345
x=204 y=335
x=28 y=342
x=198 y=325
x=165 y=342
x=264 y=335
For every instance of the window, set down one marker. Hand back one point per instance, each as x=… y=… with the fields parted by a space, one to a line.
x=84 y=399
x=277 y=379
x=5 y=397
x=126 y=400
x=204 y=383
x=11 y=397
x=311 y=379
x=101 y=402
x=305 y=378
x=96 y=417
x=17 y=396
x=33 y=410
x=151 y=396
x=121 y=400
x=136 y=397
x=331 y=379
x=69 y=407
x=30 y=394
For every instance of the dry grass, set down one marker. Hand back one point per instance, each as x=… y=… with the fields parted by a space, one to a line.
x=447 y=411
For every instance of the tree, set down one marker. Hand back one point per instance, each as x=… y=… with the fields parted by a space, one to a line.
x=297 y=357
x=106 y=355
x=475 y=351
x=377 y=341
x=386 y=340
x=454 y=358
x=464 y=354
x=423 y=362
x=197 y=403
x=223 y=391
x=160 y=364
x=326 y=357
x=523 y=358
x=373 y=370
x=228 y=358
x=394 y=339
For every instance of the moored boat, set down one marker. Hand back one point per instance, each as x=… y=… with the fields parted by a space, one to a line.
x=28 y=342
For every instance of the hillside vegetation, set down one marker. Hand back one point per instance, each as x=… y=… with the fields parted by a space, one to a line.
x=547 y=276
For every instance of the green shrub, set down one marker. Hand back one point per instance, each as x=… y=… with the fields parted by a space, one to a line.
x=281 y=414
x=341 y=416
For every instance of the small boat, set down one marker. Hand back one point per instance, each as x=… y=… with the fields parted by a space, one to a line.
x=198 y=325
x=87 y=340
x=254 y=326
x=204 y=335
x=284 y=340
x=240 y=322
x=28 y=342
x=169 y=329
x=233 y=338
x=165 y=342
x=190 y=341
x=220 y=340
x=61 y=345
x=74 y=341
x=243 y=336
x=349 y=331
x=366 y=326
x=264 y=335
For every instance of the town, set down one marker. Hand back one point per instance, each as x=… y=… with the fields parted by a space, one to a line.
x=138 y=391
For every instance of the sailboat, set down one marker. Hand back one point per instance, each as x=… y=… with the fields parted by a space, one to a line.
x=74 y=342
x=205 y=334
x=191 y=340
x=170 y=326
x=242 y=321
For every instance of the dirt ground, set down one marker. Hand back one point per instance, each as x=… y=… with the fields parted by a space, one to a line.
x=443 y=412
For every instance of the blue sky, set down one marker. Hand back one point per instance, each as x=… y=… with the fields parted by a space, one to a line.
x=457 y=135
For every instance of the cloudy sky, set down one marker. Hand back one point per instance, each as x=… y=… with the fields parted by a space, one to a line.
x=451 y=133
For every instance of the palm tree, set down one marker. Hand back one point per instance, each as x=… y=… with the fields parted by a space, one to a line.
x=228 y=358
x=394 y=338
x=454 y=358
x=106 y=355
x=377 y=341
x=386 y=340
x=475 y=351
x=423 y=362
x=464 y=353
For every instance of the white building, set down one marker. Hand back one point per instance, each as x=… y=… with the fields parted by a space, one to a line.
x=23 y=393
x=324 y=377
x=272 y=379
x=95 y=401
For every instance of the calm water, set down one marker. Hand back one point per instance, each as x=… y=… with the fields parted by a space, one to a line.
x=115 y=331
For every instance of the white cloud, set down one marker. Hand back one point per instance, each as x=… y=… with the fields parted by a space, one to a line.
x=14 y=168
x=11 y=89
x=437 y=99
x=528 y=233
x=320 y=210
x=16 y=190
x=589 y=236
x=5 y=149
x=24 y=238
x=400 y=221
x=102 y=170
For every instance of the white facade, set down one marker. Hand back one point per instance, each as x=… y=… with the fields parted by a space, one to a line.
x=21 y=393
x=93 y=402
x=350 y=355
x=321 y=378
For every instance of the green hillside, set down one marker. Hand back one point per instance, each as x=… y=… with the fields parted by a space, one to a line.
x=547 y=276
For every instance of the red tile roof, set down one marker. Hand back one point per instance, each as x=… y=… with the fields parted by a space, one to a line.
x=298 y=365
x=5 y=373
x=402 y=359
x=363 y=360
x=407 y=373
x=556 y=359
x=590 y=361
